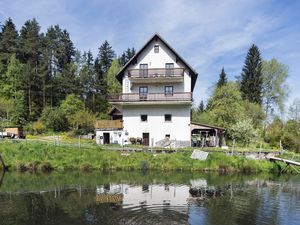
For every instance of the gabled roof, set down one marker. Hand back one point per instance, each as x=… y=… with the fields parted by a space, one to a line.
x=156 y=36
x=113 y=111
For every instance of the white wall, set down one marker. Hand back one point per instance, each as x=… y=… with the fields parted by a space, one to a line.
x=116 y=136
x=156 y=126
x=157 y=60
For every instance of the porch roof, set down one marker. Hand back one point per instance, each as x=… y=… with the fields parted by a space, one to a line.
x=196 y=125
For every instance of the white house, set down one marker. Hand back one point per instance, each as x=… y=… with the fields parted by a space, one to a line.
x=155 y=104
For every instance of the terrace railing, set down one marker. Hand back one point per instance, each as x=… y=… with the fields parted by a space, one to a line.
x=136 y=97
x=157 y=72
x=109 y=124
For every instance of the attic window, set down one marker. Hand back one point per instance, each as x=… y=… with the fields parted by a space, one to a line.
x=156 y=48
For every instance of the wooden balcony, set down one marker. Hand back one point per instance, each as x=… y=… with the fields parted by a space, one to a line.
x=109 y=124
x=156 y=75
x=179 y=97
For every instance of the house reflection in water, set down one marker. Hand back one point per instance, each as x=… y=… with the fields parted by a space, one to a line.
x=147 y=194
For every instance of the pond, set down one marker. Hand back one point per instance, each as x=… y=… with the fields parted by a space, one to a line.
x=148 y=198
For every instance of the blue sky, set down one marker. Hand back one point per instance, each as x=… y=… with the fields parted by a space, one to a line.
x=208 y=34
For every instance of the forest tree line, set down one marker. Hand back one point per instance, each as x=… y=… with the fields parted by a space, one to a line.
x=253 y=107
x=41 y=72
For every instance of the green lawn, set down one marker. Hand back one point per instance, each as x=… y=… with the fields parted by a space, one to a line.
x=33 y=155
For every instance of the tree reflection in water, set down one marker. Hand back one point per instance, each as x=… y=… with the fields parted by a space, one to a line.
x=133 y=198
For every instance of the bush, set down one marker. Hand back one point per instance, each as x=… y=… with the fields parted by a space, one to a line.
x=38 y=127
x=54 y=119
x=83 y=121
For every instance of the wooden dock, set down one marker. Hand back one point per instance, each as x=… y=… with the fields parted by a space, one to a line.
x=287 y=162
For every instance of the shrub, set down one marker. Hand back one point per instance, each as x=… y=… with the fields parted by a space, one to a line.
x=38 y=127
x=54 y=119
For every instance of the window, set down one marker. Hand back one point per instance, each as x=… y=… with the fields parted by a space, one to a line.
x=143 y=70
x=168 y=90
x=169 y=69
x=168 y=117
x=144 y=118
x=156 y=48
x=143 y=92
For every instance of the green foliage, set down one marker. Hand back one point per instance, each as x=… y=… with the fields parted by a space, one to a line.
x=64 y=157
x=6 y=106
x=83 y=121
x=126 y=56
x=201 y=107
x=243 y=131
x=255 y=113
x=222 y=78
x=11 y=81
x=291 y=136
x=38 y=127
x=251 y=77
x=201 y=117
x=274 y=132
x=274 y=89
x=71 y=105
x=8 y=43
x=113 y=85
x=226 y=105
x=54 y=119
x=105 y=56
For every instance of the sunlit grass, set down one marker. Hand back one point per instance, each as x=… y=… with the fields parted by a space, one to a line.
x=46 y=156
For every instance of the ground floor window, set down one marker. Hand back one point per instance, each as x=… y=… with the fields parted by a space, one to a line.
x=168 y=117
x=144 y=118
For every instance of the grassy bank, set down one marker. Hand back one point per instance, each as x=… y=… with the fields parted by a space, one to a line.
x=36 y=156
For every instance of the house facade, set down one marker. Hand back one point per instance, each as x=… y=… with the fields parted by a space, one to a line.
x=155 y=103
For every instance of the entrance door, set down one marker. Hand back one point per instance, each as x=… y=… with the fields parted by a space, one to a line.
x=106 y=138
x=146 y=139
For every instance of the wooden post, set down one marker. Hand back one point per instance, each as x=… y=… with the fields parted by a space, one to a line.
x=260 y=147
x=233 y=145
x=79 y=142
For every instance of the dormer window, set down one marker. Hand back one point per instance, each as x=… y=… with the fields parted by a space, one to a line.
x=156 y=48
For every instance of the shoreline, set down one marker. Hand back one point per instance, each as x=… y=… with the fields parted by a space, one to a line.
x=36 y=156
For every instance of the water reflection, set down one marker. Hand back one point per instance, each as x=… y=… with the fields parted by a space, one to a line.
x=133 y=198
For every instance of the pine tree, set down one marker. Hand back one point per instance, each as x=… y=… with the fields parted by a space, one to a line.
x=222 y=78
x=122 y=59
x=30 y=53
x=129 y=54
x=105 y=56
x=251 y=77
x=66 y=50
x=201 y=107
x=126 y=56
x=8 y=43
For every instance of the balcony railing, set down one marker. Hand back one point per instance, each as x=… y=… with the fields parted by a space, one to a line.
x=109 y=124
x=136 y=97
x=157 y=72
